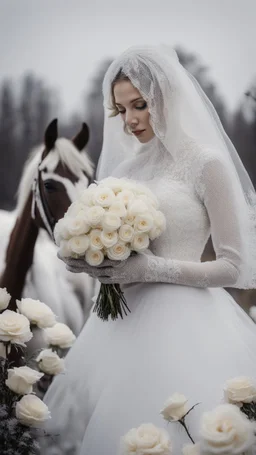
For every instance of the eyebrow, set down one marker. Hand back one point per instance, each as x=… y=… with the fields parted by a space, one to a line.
x=132 y=101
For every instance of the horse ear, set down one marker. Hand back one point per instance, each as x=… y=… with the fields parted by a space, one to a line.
x=50 y=136
x=81 y=139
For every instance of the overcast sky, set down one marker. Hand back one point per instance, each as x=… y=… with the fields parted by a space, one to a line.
x=64 y=40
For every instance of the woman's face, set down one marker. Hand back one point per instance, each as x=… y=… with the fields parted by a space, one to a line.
x=133 y=110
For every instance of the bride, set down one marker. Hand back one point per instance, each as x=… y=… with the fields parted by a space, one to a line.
x=185 y=333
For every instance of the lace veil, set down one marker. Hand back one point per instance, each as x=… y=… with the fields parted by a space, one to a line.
x=178 y=106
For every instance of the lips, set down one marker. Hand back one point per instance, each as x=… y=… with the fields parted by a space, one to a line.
x=138 y=132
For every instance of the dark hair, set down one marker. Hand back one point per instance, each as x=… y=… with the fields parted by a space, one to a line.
x=119 y=77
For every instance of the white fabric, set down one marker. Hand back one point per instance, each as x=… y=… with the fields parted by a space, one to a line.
x=188 y=339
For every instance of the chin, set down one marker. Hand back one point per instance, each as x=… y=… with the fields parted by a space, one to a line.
x=144 y=140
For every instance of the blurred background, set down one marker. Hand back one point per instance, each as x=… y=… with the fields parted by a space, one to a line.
x=54 y=54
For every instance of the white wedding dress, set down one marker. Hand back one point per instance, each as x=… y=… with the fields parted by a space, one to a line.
x=188 y=336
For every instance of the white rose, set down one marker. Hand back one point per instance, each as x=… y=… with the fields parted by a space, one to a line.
x=155 y=233
x=109 y=239
x=175 y=407
x=31 y=411
x=95 y=239
x=150 y=200
x=64 y=249
x=126 y=233
x=50 y=363
x=77 y=226
x=61 y=231
x=79 y=244
x=76 y=209
x=240 y=390
x=191 y=449
x=129 y=219
x=126 y=196
x=115 y=184
x=118 y=252
x=103 y=196
x=86 y=196
x=94 y=257
x=143 y=223
x=140 y=242
x=2 y=350
x=111 y=222
x=159 y=220
x=137 y=207
x=146 y=440
x=20 y=380
x=252 y=312
x=226 y=430
x=5 y=298
x=14 y=327
x=118 y=208
x=59 y=335
x=37 y=312
x=95 y=215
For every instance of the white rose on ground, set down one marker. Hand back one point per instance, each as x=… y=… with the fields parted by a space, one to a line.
x=126 y=233
x=95 y=215
x=95 y=239
x=111 y=222
x=61 y=231
x=126 y=196
x=175 y=407
x=2 y=350
x=5 y=298
x=50 y=363
x=143 y=223
x=14 y=327
x=140 y=242
x=118 y=208
x=79 y=244
x=118 y=252
x=21 y=379
x=64 y=249
x=94 y=257
x=226 y=430
x=191 y=449
x=103 y=196
x=31 y=411
x=252 y=312
x=146 y=440
x=77 y=226
x=108 y=239
x=59 y=335
x=37 y=312
x=240 y=390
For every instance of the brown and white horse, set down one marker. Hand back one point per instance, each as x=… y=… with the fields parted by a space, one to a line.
x=51 y=180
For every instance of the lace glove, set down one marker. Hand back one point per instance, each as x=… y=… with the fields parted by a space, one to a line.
x=80 y=266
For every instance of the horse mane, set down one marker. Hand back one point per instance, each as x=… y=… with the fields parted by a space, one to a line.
x=64 y=151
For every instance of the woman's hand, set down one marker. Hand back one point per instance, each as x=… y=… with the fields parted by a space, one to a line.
x=132 y=270
x=81 y=266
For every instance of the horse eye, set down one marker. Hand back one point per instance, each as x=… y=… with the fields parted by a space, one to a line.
x=50 y=186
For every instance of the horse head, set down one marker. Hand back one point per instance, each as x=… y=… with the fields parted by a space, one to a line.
x=63 y=170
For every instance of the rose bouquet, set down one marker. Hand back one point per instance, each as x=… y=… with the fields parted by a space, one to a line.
x=112 y=219
x=22 y=412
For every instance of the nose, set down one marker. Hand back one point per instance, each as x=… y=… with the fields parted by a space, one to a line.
x=130 y=120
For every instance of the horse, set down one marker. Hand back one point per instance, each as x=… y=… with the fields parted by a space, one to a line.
x=51 y=180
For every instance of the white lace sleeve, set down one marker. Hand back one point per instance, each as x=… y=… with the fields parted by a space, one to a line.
x=216 y=188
